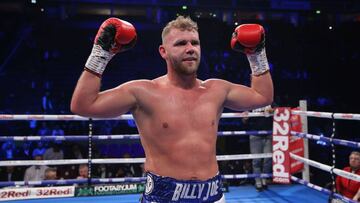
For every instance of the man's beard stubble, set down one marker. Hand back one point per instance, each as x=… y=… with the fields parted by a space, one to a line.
x=183 y=69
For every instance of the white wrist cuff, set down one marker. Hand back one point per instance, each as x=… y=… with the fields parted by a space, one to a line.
x=98 y=59
x=258 y=62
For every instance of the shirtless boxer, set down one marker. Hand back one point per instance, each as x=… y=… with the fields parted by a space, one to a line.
x=177 y=115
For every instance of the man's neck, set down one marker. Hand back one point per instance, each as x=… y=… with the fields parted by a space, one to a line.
x=183 y=81
x=353 y=169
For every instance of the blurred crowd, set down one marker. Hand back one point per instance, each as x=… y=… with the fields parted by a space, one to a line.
x=45 y=56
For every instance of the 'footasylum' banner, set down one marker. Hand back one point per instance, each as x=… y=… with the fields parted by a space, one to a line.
x=113 y=189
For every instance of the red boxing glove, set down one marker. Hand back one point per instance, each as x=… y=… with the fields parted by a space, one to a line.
x=113 y=36
x=248 y=38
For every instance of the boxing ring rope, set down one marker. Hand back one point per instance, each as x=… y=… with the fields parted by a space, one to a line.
x=120 y=160
x=105 y=137
x=327 y=140
x=141 y=160
x=326 y=168
x=137 y=136
x=321 y=189
x=117 y=160
x=224 y=157
x=332 y=140
x=112 y=137
x=115 y=180
x=24 y=117
x=27 y=117
x=343 y=116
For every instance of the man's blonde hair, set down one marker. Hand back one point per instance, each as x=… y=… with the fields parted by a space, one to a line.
x=355 y=153
x=181 y=23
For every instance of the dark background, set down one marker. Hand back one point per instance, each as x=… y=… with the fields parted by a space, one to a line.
x=312 y=48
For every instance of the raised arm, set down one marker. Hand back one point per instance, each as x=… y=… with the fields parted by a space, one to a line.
x=243 y=98
x=88 y=101
x=250 y=39
x=114 y=36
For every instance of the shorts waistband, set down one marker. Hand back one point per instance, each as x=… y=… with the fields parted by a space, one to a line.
x=166 y=189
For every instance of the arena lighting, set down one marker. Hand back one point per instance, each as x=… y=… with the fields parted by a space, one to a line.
x=184 y=7
x=33 y=1
x=318 y=12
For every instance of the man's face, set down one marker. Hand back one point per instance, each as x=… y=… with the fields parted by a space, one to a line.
x=51 y=175
x=181 y=50
x=38 y=157
x=354 y=161
x=83 y=171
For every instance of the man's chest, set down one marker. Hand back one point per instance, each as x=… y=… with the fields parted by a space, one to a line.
x=191 y=108
x=198 y=101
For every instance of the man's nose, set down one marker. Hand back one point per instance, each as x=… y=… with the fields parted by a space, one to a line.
x=190 y=49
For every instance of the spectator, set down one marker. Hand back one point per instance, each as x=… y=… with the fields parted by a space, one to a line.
x=35 y=173
x=44 y=130
x=54 y=152
x=47 y=104
x=51 y=174
x=39 y=150
x=10 y=174
x=75 y=152
x=134 y=170
x=128 y=170
x=346 y=187
x=8 y=150
x=25 y=151
x=68 y=172
x=247 y=168
x=123 y=171
x=261 y=144
x=103 y=172
x=57 y=131
x=83 y=171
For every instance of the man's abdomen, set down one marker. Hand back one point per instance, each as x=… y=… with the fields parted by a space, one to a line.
x=184 y=158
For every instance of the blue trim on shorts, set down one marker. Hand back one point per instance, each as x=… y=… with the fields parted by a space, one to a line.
x=162 y=189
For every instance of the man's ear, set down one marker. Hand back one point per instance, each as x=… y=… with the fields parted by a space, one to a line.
x=162 y=51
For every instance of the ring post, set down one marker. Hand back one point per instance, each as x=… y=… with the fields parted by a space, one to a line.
x=304 y=121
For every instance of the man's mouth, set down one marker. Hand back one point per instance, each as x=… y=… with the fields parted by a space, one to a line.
x=190 y=59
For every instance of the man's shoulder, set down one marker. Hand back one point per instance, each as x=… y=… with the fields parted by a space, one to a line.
x=147 y=82
x=142 y=83
x=215 y=85
x=215 y=82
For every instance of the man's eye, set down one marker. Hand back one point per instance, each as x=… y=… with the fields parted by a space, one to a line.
x=195 y=42
x=182 y=43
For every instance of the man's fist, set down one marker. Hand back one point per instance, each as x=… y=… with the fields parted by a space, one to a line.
x=248 y=38
x=113 y=36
